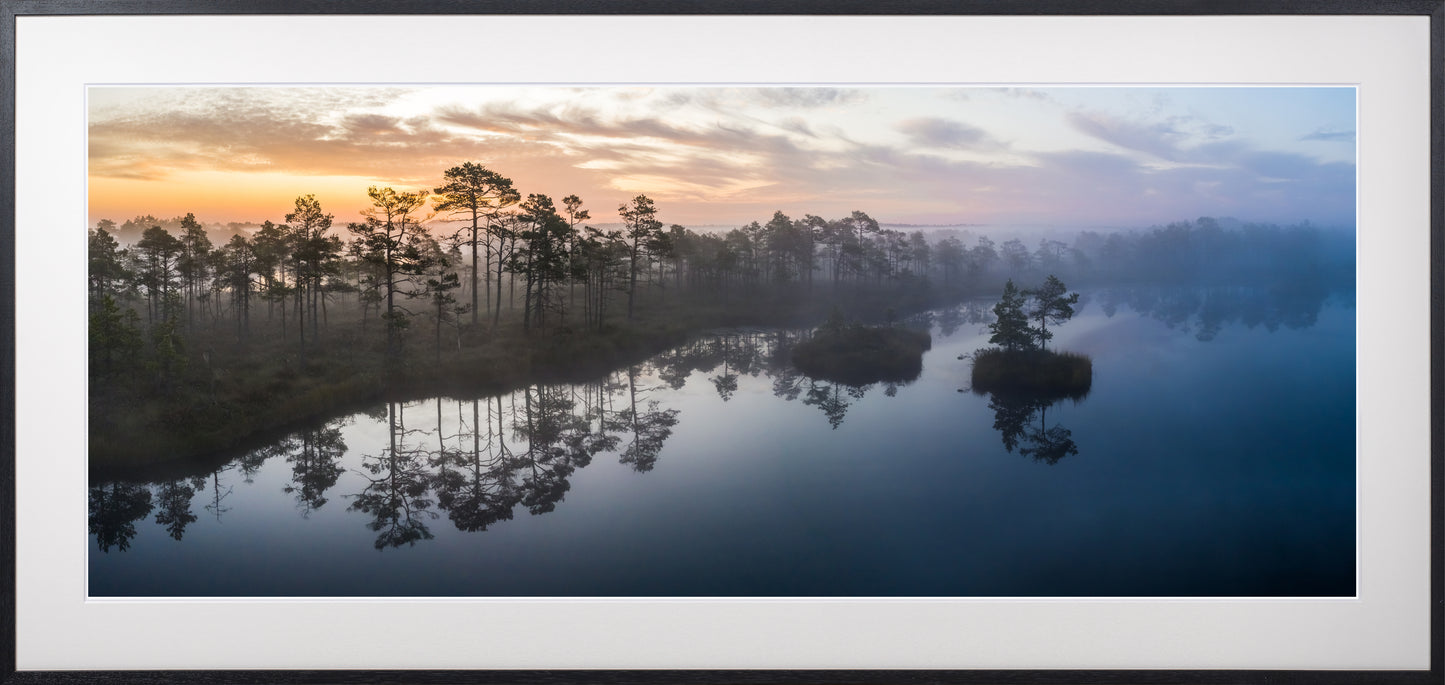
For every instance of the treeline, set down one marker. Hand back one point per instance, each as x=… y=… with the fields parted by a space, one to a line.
x=472 y=273
x=535 y=261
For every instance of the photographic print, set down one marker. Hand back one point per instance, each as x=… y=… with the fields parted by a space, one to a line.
x=705 y=341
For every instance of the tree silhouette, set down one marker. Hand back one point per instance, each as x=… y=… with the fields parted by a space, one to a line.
x=114 y=509
x=315 y=455
x=1015 y=255
x=576 y=264
x=648 y=425
x=438 y=287
x=830 y=397
x=114 y=336
x=194 y=262
x=272 y=253
x=542 y=261
x=392 y=240
x=107 y=272
x=1013 y=417
x=641 y=227
x=313 y=252
x=476 y=193
x=217 y=493
x=726 y=382
x=238 y=264
x=478 y=487
x=555 y=447
x=158 y=253
x=1052 y=304
x=174 y=513
x=1011 y=326
x=396 y=492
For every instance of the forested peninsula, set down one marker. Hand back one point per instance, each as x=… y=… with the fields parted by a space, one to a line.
x=202 y=338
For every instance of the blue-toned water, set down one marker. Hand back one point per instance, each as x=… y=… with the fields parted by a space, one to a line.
x=1213 y=456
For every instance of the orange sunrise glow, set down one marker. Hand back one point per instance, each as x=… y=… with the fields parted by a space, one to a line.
x=727 y=156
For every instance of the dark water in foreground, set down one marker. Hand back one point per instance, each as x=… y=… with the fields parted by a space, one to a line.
x=1214 y=456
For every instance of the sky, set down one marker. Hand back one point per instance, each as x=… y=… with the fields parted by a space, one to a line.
x=1064 y=157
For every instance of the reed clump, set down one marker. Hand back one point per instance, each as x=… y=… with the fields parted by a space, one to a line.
x=859 y=355
x=1063 y=373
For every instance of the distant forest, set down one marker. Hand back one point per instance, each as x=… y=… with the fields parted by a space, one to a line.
x=194 y=345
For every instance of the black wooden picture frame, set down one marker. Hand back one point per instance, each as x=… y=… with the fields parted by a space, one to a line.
x=12 y=9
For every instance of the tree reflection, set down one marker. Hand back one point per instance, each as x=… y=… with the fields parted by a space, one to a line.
x=675 y=365
x=396 y=494
x=477 y=487
x=788 y=381
x=726 y=383
x=554 y=449
x=174 y=512
x=833 y=399
x=1206 y=311
x=218 y=492
x=649 y=426
x=114 y=509
x=500 y=452
x=1013 y=418
x=478 y=460
x=315 y=455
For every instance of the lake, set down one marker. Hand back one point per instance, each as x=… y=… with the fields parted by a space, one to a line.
x=1213 y=456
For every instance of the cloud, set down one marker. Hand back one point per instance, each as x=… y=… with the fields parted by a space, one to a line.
x=1159 y=139
x=797 y=125
x=269 y=133
x=933 y=132
x=805 y=98
x=1330 y=135
x=1028 y=93
x=1168 y=138
x=1214 y=131
x=731 y=165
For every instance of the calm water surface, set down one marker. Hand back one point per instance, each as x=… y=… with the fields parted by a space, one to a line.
x=1214 y=456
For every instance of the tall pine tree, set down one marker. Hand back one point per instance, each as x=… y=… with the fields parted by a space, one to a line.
x=1011 y=326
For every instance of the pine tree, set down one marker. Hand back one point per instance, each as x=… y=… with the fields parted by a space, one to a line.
x=392 y=241
x=1051 y=305
x=1011 y=327
x=477 y=193
x=642 y=226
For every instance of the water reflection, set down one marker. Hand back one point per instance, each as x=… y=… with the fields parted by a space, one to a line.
x=1013 y=418
x=315 y=457
x=114 y=509
x=1015 y=412
x=218 y=493
x=648 y=426
x=951 y=319
x=475 y=485
x=1205 y=312
x=833 y=399
x=174 y=512
x=397 y=486
x=480 y=461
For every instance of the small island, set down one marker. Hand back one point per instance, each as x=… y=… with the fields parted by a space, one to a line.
x=1062 y=374
x=858 y=355
x=1022 y=362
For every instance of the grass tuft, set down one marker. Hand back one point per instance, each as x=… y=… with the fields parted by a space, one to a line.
x=1066 y=374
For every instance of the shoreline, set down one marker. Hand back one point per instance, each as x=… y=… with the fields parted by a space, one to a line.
x=504 y=363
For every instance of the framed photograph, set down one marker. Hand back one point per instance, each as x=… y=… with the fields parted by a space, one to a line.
x=922 y=345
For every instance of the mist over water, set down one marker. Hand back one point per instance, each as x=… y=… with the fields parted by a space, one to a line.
x=1213 y=456
x=913 y=341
